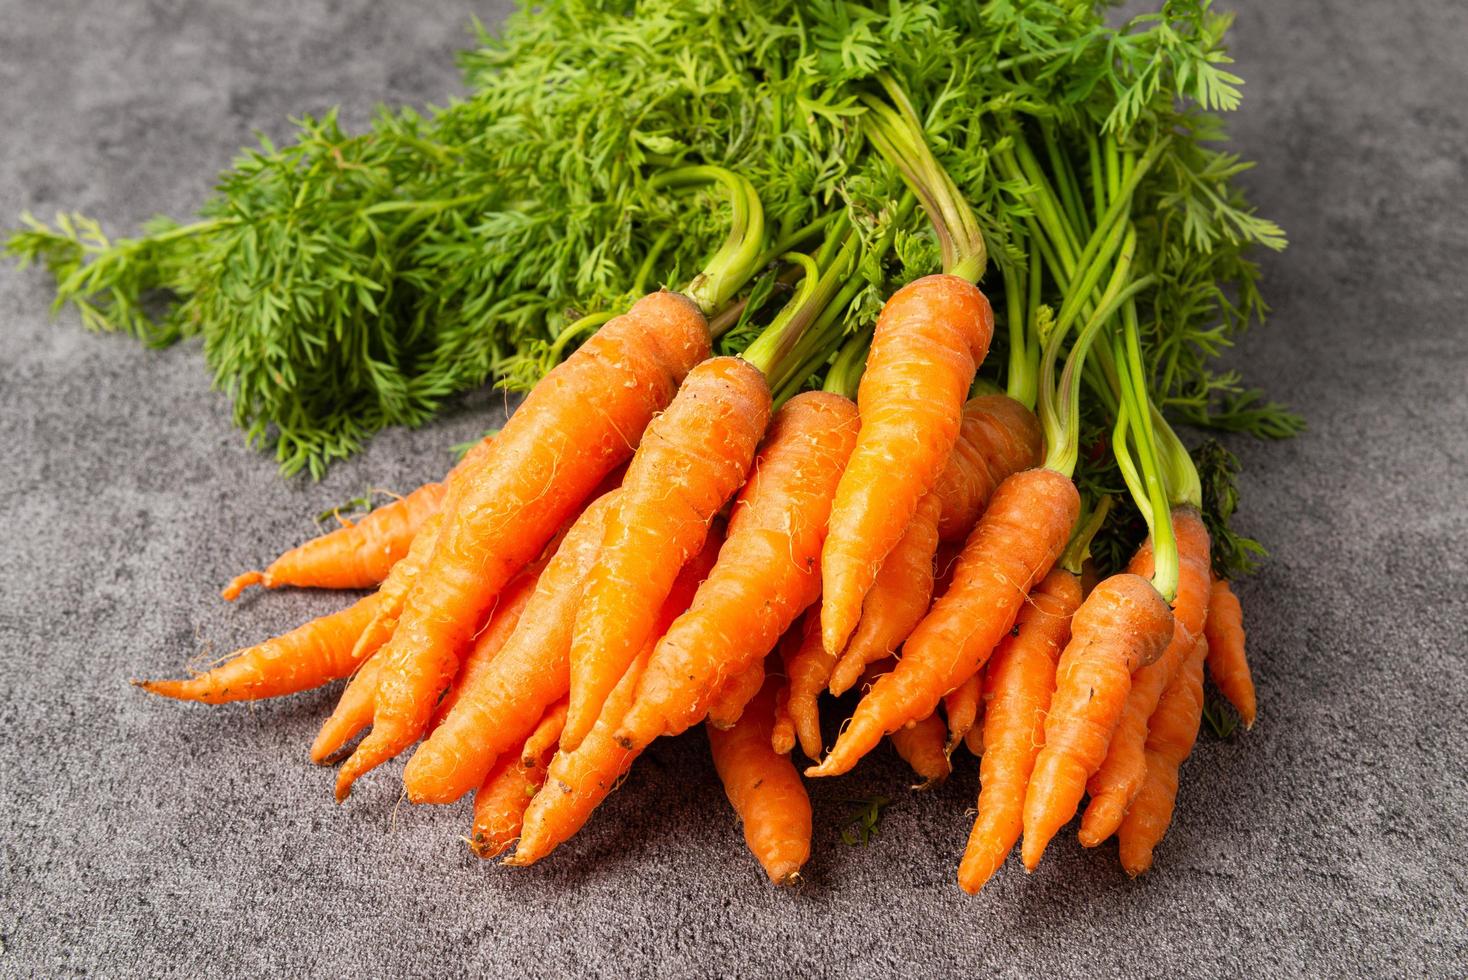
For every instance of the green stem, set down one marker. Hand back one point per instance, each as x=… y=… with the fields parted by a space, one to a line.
x=644 y=271
x=738 y=258
x=775 y=342
x=845 y=375
x=1158 y=513
x=574 y=330
x=897 y=135
x=1079 y=548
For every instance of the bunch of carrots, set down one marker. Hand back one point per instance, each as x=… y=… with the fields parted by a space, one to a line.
x=660 y=538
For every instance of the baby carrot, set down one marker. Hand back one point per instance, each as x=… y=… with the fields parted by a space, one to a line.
x=1115 y=784
x=734 y=696
x=997 y=438
x=1019 y=537
x=898 y=598
x=499 y=806
x=308 y=656
x=1121 y=626
x=1171 y=732
x=694 y=457
x=1018 y=681
x=930 y=338
x=543 y=464
x=497 y=705
x=766 y=575
x=1228 y=665
x=359 y=555
x=922 y=745
x=961 y=706
x=764 y=789
x=806 y=665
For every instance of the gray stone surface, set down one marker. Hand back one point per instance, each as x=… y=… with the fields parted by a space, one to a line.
x=141 y=837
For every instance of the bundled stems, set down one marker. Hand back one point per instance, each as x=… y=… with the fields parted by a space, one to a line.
x=737 y=259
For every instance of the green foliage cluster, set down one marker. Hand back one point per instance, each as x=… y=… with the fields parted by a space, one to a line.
x=343 y=282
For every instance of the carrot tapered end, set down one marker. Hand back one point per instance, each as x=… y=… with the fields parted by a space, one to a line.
x=232 y=591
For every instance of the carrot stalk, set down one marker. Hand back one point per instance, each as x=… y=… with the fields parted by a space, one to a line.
x=1228 y=664
x=1017 y=685
x=310 y=655
x=764 y=789
x=545 y=461
x=693 y=459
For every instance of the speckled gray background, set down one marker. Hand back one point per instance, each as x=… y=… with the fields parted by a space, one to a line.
x=141 y=837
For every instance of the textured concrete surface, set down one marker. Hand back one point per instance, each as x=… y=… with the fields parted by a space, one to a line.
x=141 y=837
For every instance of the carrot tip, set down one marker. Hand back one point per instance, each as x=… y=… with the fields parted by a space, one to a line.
x=791 y=879
x=240 y=583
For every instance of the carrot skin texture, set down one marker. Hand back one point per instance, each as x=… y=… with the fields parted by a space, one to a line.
x=733 y=698
x=807 y=665
x=1017 y=685
x=491 y=640
x=575 y=427
x=997 y=438
x=930 y=338
x=353 y=712
x=1019 y=537
x=897 y=601
x=1172 y=732
x=499 y=705
x=361 y=554
x=308 y=656
x=399 y=582
x=764 y=789
x=694 y=457
x=1228 y=664
x=1113 y=787
x=577 y=782
x=1123 y=624
x=961 y=706
x=499 y=806
x=923 y=746
x=768 y=570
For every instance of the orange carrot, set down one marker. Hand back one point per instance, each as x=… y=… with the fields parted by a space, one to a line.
x=973 y=740
x=1017 y=540
x=308 y=656
x=922 y=746
x=579 y=422
x=1121 y=626
x=693 y=459
x=497 y=706
x=1017 y=685
x=766 y=575
x=734 y=696
x=496 y=633
x=1115 y=784
x=499 y=806
x=997 y=438
x=898 y=598
x=360 y=554
x=807 y=665
x=764 y=789
x=1171 y=733
x=353 y=712
x=961 y=706
x=929 y=341
x=782 y=733
x=1228 y=665
x=578 y=781
x=399 y=582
